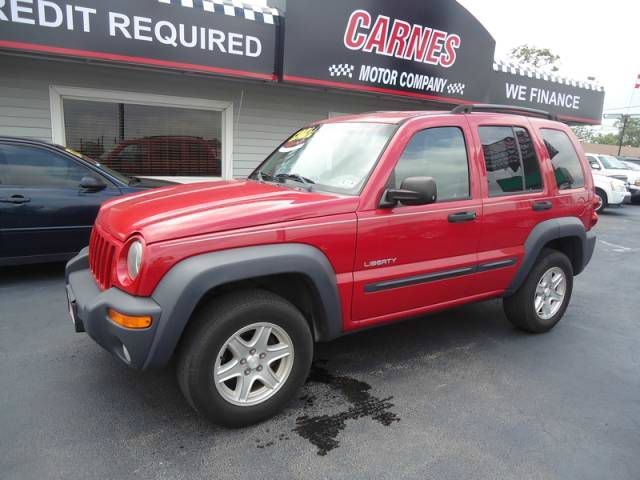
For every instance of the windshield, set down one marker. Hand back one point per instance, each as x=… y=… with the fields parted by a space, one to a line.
x=336 y=157
x=612 y=162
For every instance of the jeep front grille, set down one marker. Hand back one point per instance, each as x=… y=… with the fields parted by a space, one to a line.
x=101 y=258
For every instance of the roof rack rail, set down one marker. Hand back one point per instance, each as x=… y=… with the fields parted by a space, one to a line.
x=486 y=107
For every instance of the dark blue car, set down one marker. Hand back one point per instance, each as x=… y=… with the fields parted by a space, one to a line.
x=49 y=199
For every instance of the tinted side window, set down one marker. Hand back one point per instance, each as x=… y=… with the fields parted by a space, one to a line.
x=439 y=153
x=36 y=167
x=566 y=164
x=511 y=160
x=532 y=175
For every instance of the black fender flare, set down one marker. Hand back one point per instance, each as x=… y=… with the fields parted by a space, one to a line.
x=545 y=232
x=182 y=288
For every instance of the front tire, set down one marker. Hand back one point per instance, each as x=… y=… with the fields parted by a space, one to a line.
x=541 y=301
x=243 y=357
x=603 y=200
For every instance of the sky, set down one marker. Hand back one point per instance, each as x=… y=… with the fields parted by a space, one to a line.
x=593 y=38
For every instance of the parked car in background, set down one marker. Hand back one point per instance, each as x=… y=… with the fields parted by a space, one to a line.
x=634 y=189
x=352 y=222
x=612 y=167
x=610 y=192
x=631 y=165
x=633 y=160
x=49 y=199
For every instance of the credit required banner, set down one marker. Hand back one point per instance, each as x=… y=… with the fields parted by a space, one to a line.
x=193 y=35
x=433 y=50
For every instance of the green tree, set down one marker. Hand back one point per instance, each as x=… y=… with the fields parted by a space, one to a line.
x=584 y=134
x=631 y=135
x=536 y=58
x=607 y=139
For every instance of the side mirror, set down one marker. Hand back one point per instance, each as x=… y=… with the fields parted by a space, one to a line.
x=413 y=191
x=92 y=184
x=596 y=166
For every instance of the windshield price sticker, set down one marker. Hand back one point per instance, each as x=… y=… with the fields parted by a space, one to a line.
x=298 y=139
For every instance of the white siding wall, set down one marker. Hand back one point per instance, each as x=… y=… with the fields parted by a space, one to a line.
x=268 y=113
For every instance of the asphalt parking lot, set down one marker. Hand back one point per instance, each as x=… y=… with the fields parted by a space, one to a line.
x=459 y=394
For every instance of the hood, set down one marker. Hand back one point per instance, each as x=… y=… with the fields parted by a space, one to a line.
x=200 y=208
x=632 y=175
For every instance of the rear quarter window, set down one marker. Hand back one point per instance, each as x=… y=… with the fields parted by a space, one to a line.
x=566 y=163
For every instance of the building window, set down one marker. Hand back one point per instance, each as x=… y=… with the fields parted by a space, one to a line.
x=511 y=161
x=145 y=134
x=146 y=140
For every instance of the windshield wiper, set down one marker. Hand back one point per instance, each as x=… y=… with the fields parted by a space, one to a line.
x=296 y=178
x=263 y=177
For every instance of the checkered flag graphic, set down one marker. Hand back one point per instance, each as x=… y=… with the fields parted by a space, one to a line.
x=233 y=8
x=456 y=88
x=341 y=70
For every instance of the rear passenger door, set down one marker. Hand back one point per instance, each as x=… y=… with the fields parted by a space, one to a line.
x=516 y=197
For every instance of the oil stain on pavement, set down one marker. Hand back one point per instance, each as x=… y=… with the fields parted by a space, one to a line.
x=322 y=431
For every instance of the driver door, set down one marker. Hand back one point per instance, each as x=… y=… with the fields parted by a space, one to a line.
x=412 y=258
x=44 y=213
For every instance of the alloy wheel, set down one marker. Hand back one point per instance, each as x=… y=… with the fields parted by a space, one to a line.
x=550 y=293
x=253 y=364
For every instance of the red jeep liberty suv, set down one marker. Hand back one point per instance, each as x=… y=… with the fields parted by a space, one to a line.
x=352 y=222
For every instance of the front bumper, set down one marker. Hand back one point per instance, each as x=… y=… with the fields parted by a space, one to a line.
x=88 y=306
x=619 y=197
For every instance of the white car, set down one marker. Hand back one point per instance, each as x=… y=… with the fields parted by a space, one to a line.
x=612 y=167
x=610 y=191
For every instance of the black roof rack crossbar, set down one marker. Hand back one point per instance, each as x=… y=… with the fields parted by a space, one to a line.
x=485 y=107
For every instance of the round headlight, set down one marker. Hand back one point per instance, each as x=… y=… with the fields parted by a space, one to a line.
x=134 y=259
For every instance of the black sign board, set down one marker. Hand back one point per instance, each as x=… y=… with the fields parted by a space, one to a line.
x=433 y=49
x=192 y=35
x=572 y=101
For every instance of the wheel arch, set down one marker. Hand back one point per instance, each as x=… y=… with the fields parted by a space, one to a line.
x=299 y=273
x=565 y=234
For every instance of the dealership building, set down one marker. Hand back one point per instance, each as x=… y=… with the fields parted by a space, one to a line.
x=193 y=89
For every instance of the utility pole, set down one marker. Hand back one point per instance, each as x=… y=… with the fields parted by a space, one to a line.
x=624 y=120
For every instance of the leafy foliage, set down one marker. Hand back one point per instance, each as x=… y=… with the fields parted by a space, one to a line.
x=631 y=135
x=584 y=134
x=537 y=58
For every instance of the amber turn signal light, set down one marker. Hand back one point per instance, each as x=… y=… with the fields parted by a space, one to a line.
x=128 y=321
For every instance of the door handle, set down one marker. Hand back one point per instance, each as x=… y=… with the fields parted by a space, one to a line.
x=462 y=217
x=15 y=199
x=540 y=206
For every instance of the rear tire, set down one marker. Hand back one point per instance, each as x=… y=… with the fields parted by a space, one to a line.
x=603 y=202
x=260 y=341
x=539 y=304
